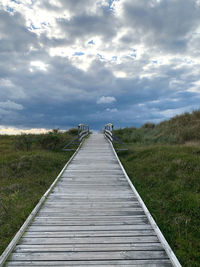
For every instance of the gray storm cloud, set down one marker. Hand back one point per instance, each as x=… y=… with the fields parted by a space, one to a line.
x=64 y=62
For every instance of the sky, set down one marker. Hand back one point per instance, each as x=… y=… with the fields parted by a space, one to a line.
x=65 y=62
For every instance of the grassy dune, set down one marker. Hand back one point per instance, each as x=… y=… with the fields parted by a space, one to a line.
x=28 y=166
x=163 y=163
x=178 y=130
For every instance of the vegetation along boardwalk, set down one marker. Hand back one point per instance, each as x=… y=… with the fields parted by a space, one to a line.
x=91 y=216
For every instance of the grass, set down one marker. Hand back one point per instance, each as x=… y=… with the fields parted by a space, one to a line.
x=163 y=163
x=178 y=130
x=26 y=172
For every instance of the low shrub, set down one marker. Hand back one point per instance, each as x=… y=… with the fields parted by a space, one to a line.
x=73 y=131
x=148 y=125
x=54 y=140
x=24 y=142
x=49 y=141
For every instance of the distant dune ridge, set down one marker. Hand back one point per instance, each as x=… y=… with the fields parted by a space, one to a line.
x=178 y=130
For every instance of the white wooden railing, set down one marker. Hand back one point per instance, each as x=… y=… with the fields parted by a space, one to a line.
x=83 y=131
x=108 y=131
x=109 y=134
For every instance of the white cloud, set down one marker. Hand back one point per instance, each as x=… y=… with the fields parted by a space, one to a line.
x=38 y=65
x=120 y=74
x=106 y=100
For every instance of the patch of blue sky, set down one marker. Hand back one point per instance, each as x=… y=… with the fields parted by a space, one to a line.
x=114 y=58
x=32 y=27
x=91 y=42
x=10 y=9
x=78 y=54
x=133 y=55
x=188 y=61
x=110 y=2
x=109 y=5
x=15 y=1
x=155 y=61
x=100 y=56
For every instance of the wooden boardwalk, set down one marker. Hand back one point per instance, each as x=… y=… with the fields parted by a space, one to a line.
x=92 y=217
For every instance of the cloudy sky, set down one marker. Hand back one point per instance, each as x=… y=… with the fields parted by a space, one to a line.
x=63 y=62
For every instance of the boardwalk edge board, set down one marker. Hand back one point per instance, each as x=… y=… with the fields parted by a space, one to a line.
x=29 y=219
x=160 y=236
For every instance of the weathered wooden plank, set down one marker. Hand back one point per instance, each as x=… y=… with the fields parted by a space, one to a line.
x=95 y=218
x=87 y=195
x=93 y=164
x=88 y=187
x=92 y=204
x=93 y=172
x=86 y=210
x=99 y=263
x=88 y=170
x=92 y=213
x=93 y=175
x=93 y=178
x=49 y=228
x=92 y=183
x=91 y=191
x=55 y=221
x=100 y=161
x=83 y=178
x=47 y=234
x=89 y=247
x=54 y=197
x=90 y=240
x=90 y=255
